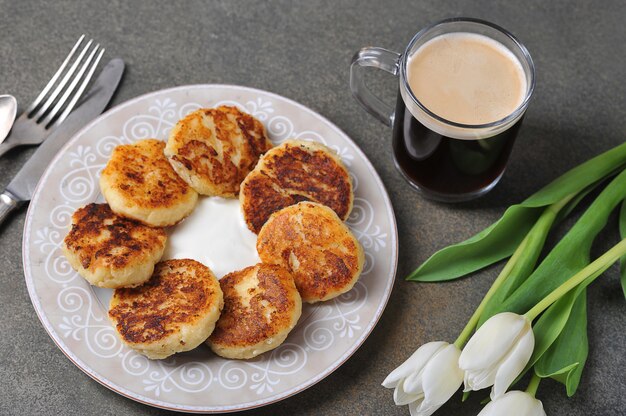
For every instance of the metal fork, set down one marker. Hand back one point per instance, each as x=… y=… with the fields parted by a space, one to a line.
x=58 y=98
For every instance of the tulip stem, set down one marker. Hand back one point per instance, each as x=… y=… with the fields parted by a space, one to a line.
x=585 y=277
x=533 y=384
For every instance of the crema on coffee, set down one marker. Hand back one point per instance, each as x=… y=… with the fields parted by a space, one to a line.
x=466 y=78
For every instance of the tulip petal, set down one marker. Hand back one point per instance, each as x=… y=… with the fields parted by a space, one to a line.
x=492 y=341
x=513 y=363
x=478 y=380
x=414 y=364
x=440 y=379
x=423 y=408
x=413 y=383
x=401 y=397
x=537 y=410
x=442 y=376
x=514 y=403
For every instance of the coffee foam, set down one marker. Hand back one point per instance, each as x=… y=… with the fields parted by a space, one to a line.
x=465 y=78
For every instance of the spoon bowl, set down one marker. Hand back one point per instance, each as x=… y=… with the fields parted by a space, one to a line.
x=8 y=110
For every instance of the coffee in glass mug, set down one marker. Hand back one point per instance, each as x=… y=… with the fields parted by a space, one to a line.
x=464 y=87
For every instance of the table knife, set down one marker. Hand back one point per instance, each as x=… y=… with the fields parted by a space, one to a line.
x=20 y=190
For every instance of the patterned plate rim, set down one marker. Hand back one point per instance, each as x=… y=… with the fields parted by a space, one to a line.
x=207 y=409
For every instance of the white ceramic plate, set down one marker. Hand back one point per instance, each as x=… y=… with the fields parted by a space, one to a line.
x=75 y=314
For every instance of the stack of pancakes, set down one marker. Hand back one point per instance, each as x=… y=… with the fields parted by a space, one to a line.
x=295 y=196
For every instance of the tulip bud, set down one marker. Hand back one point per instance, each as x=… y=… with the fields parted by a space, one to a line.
x=514 y=403
x=427 y=379
x=497 y=353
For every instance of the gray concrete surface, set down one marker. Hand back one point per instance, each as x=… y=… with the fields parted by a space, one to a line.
x=302 y=50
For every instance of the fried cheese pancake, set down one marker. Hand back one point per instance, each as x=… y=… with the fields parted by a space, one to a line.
x=112 y=251
x=292 y=172
x=319 y=250
x=261 y=307
x=174 y=311
x=139 y=183
x=213 y=149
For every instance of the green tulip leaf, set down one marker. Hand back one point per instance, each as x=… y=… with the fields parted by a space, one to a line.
x=573 y=203
x=489 y=246
x=578 y=178
x=622 y=232
x=561 y=375
x=571 y=254
x=565 y=359
x=531 y=248
x=552 y=322
x=500 y=240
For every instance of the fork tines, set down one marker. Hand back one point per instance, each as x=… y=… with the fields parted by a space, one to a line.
x=58 y=99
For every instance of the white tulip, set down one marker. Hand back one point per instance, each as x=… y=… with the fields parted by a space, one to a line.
x=514 y=403
x=427 y=379
x=497 y=353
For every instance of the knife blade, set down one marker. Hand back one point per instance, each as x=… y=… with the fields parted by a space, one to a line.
x=22 y=187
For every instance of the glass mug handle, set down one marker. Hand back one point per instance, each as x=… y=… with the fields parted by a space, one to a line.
x=378 y=58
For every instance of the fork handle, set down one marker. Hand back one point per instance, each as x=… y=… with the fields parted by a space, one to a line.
x=8 y=202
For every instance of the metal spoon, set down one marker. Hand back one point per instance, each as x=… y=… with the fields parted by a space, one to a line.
x=8 y=110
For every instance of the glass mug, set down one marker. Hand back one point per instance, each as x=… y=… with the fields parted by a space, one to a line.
x=442 y=159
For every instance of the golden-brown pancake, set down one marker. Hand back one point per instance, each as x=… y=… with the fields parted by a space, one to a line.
x=292 y=172
x=312 y=242
x=174 y=311
x=138 y=182
x=213 y=149
x=261 y=307
x=112 y=251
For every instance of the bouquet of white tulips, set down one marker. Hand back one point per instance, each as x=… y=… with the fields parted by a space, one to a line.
x=531 y=311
